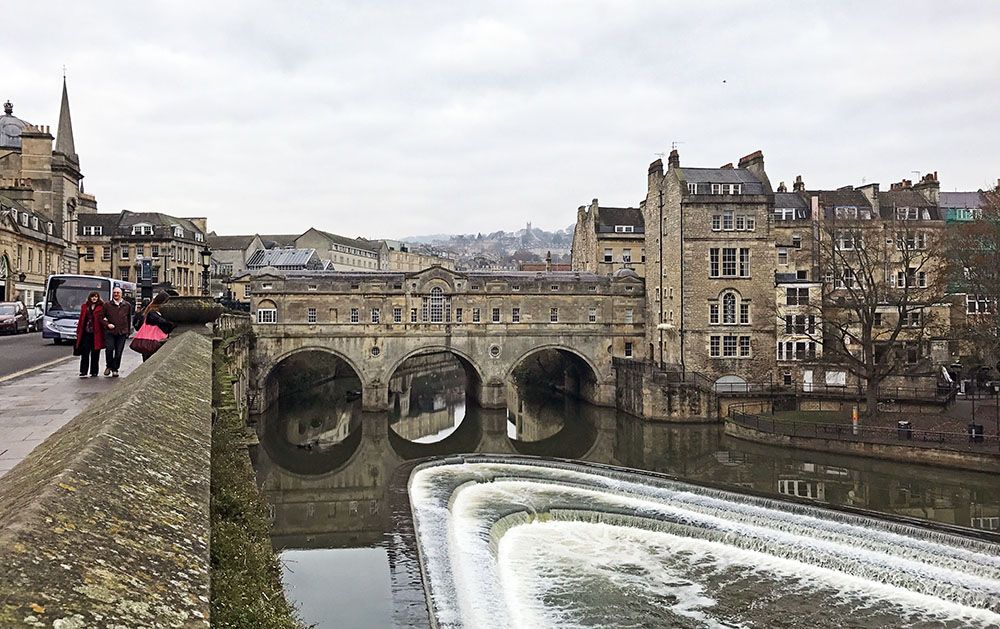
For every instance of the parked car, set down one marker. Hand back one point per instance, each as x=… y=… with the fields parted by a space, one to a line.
x=35 y=314
x=13 y=317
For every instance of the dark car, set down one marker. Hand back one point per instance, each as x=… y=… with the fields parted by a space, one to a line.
x=13 y=317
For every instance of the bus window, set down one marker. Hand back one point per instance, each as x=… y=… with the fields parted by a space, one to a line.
x=67 y=293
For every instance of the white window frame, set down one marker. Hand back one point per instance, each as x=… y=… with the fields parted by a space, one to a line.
x=376 y=315
x=267 y=316
x=355 y=315
x=310 y=315
x=592 y=315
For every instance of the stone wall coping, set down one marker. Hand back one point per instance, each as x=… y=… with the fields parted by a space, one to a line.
x=106 y=523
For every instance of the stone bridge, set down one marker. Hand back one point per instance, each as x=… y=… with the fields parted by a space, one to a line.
x=492 y=322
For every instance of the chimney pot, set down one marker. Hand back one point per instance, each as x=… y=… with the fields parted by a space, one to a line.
x=674 y=160
x=781 y=187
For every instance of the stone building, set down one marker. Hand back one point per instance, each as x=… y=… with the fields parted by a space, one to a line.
x=41 y=180
x=112 y=245
x=395 y=255
x=709 y=270
x=609 y=238
x=343 y=253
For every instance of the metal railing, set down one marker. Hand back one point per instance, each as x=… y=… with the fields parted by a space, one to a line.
x=968 y=441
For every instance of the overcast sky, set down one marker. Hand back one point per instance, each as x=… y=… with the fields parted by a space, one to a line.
x=389 y=119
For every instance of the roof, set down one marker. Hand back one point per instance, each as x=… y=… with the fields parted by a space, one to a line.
x=280 y=258
x=609 y=217
x=908 y=198
x=278 y=240
x=89 y=219
x=360 y=243
x=122 y=222
x=789 y=200
x=968 y=200
x=222 y=243
x=11 y=128
x=751 y=185
x=8 y=203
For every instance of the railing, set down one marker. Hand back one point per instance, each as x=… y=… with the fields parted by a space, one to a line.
x=902 y=435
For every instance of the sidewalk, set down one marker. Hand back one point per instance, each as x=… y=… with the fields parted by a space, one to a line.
x=35 y=405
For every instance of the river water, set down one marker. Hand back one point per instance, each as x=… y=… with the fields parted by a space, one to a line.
x=332 y=475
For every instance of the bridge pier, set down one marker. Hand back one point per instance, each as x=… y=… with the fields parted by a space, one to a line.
x=374 y=397
x=490 y=394
x=599 y=393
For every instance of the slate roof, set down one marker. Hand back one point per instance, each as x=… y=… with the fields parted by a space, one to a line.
x=107 y=221
x=41 y=232
x=965 y=200
x=360 y=243
x=223 y=243
x=157 y=220
x=281 y=258
x=608 y=217
x=789 y=200
x=906 y=197
x=751 y=185
x=278 y=240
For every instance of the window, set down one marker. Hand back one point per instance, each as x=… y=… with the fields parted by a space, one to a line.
x=246 y=290
x=355 y=316
x=727 y=188
x=731 y=346
x=142 y=229
x=93 y=230
x=496 y=315
x=907 y=214
x=728 y=262
x=976 y=305
x=413 y=315
x=782 y=256
x=716 y=222
x=397 y=314
x=624 y=229
x=744 y=314
x=626 y=256
x=741 y=222
x=592 y=315
x=796 y=296
x=744 y=346
x=310 y=315
x=376 y=315
x=156 y=254
x=200 y=237
x=847 y=279
x=106 y=253
x=713 y=346
x=89 y=256
x=553 y=315
x=877 y=320
x=784 y=214
x=515 y=287
x=123 y=273
x=713 y=314
x=729 y=309
x=629 y=315
x=124 y=252
x=608 y=255
x=178 y=231
x=515 y=315
x=727 y=221
x=475 y=315
x=914 y=319
x=728 y=346
x=730 y=267
x=554 y=287
x=267 y=315
x=845 y=211
x=692 y=188
x=628 y=349
x=713 y=262
x=458 y=315
x=437 y=305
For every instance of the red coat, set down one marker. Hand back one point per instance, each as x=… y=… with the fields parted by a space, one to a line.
x=98 y=315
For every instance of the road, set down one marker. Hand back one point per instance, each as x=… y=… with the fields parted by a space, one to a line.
x=24 y=351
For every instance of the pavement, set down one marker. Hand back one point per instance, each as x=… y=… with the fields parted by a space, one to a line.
x=19 y=352
x=36 y=404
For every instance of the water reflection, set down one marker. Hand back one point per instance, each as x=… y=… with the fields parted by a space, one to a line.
x=327 y=469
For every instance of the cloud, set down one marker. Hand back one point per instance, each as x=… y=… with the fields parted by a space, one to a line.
x=393 y=118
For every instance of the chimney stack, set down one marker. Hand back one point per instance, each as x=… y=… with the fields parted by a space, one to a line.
x=781 y=187
x=798 y=185
x=754 y=162
x=930 y=187
x=548 y=261
x=655 y=177
x=673 y=160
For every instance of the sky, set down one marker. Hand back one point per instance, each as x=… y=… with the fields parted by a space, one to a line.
x=389 y=119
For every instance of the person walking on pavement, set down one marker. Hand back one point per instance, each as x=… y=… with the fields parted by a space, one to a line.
x=90 y=335
x=117 y=321
x=151 y=315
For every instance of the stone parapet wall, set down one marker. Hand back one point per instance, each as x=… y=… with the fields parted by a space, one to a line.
x=975 y=461
x=644 y=391
x=106 y=523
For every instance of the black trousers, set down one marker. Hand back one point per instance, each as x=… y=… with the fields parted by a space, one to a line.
x=89 y=357
x=114 y=345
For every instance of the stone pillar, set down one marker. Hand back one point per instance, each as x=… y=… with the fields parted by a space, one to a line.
x=374 y=397
x=490 y=395
x=599 y=393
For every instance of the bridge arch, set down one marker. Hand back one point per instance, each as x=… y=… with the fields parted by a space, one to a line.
x=463 y=356
x=589 y=383
x=268 y=386
x=558 y=347
x=310 y=348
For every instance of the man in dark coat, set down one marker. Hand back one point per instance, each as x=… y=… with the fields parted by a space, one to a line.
x=117 y=325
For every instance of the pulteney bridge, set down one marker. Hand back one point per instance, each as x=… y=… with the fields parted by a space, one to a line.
x=492 y=322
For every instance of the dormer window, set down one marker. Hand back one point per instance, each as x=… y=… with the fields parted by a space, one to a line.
x=178 y=231
x=851 y=212
x=142 y=229
x=727 y=188
x=88 y=230
x=907 y=214
x=692 y=188
x=48 y=228
x=200 y=237
x=625 y=229
x=34 y=222
x=24 y=219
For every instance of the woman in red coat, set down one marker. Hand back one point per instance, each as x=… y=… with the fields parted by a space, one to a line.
x=90 y=335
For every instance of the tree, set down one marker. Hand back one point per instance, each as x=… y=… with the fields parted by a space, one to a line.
x=973 y=247
x=881 y=299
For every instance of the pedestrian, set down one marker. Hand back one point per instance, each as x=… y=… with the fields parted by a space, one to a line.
x=117 y=326
x=90 y=335
x=148 y=340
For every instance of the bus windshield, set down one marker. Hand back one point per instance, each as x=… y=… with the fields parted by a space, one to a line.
x=67 y=294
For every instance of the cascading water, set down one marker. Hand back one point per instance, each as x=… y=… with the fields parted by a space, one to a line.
x=526 y=543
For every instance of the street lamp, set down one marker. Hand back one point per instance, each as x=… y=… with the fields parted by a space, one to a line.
x=206 y=261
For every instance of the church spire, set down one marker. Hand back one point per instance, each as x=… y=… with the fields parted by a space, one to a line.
x=64 y=137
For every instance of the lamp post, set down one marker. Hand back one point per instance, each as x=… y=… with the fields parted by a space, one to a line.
x=206 y=261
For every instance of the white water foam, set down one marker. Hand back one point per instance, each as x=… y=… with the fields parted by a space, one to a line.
x=477 y=580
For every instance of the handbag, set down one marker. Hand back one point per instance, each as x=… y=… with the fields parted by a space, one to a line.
x=148 y=339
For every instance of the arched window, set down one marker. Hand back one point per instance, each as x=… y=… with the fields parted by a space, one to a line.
x=729 y=309
x=437 y=305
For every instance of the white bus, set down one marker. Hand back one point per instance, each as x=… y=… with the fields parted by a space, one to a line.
x=64 y=294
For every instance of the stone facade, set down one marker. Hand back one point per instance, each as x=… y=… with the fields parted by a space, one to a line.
x=112 y=245
x=608 y=238
x=492 y=321
x=40 y=178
